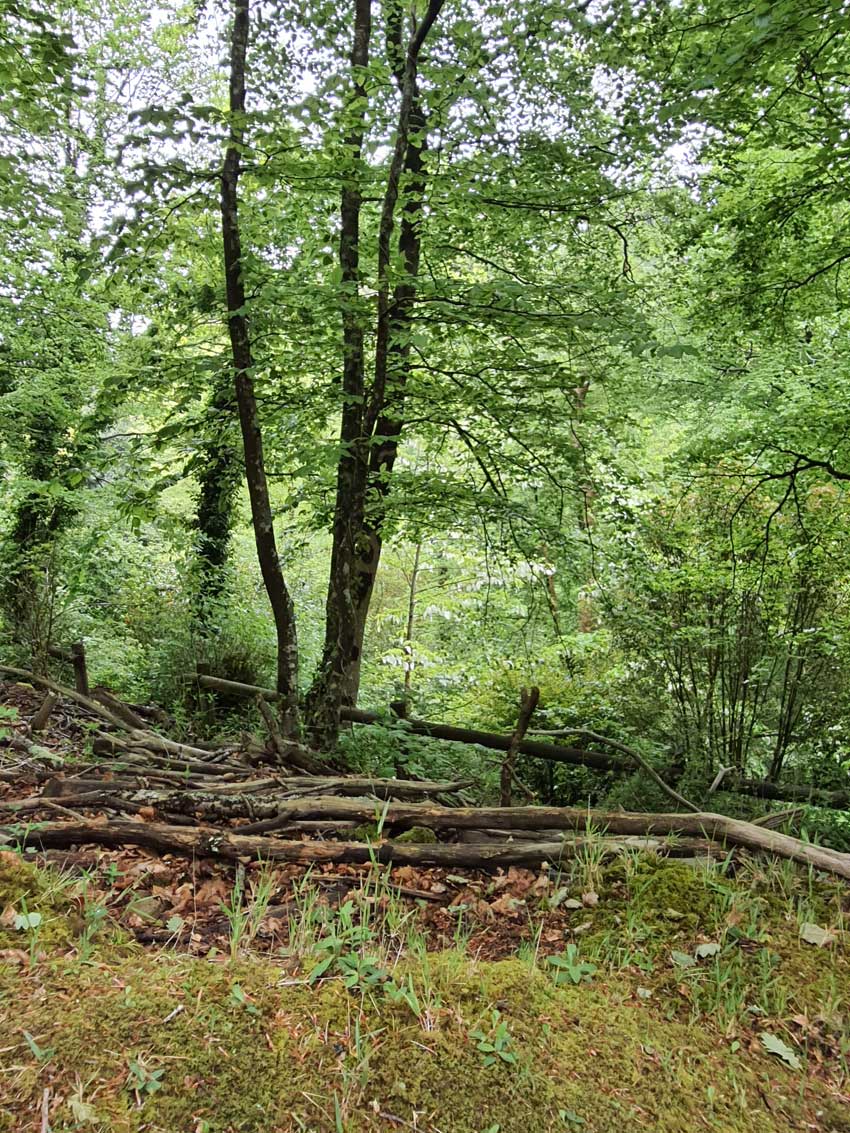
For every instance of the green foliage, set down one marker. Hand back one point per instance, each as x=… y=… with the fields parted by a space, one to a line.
x=391 y=750
x=621 y=389
x=569 y=968
x=494 y=1044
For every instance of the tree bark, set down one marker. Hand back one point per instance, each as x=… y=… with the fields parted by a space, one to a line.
x=218 y=473
x=411 y=624
x=243 y=367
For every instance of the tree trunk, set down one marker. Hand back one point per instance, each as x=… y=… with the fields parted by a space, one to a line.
x=371 y=425
x=528 y=702
x=243 y=365
x=343 y=635
x=218 y=472
x=411 y=624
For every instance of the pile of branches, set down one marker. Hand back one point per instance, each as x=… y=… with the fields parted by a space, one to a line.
x=277 y=800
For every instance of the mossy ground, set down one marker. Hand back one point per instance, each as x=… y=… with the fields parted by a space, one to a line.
x=249 y=1045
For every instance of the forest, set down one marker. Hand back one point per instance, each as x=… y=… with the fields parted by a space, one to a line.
x=425 y=565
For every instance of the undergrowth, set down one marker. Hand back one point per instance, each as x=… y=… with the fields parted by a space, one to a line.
x=683 y=999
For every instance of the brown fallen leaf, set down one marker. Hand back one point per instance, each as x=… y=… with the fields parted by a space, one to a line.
x=14 y=956
x=507 y=906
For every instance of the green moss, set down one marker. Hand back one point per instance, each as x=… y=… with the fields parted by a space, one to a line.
x=66 y=918
x=26 y=890
x=365 y=832
x=417 y=834
x=668 y=893
x=19 y=879
x=243 y=1047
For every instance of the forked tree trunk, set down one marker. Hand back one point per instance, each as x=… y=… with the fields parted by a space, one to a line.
x=243 y=365
x=372 y=420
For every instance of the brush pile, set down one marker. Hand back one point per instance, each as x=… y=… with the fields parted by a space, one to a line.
x=91 y=770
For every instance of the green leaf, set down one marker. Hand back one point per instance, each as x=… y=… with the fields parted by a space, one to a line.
x=705 y=950
x=26 y=921
x=682 y=959
x=774 y=1045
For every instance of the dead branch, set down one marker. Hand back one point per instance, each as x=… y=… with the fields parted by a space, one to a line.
x=43 y=713
x=528 y=702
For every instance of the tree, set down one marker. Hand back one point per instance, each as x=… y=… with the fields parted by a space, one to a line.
x=243 y=365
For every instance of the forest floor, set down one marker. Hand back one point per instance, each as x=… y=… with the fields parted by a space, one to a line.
x=143 y=991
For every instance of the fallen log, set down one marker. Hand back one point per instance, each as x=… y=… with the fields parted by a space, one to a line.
x=214 y=843
x=122 y=711
x=554 y=752
x=276 y=791
x=42 y=714
x=234 y=688
x=790 y=792
x=139 y=739
x=213 y=804
x=492 y=740
x=716 y=827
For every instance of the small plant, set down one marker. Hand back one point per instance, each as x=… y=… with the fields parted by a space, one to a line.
x=238 y=996
x=404 y=993
x=245 y=915
x=41 y=1053
x=30 y=923
x=236 y=913
x=7 y=715
x=590 y=857
x=95 y=916
x=570 y=969
x=341 y=952
x=495 y=1045
x=142 y=1081
x=84 y=1113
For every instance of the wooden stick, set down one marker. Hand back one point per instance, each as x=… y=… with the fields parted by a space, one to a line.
x=43 y=712
x=528 y=702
